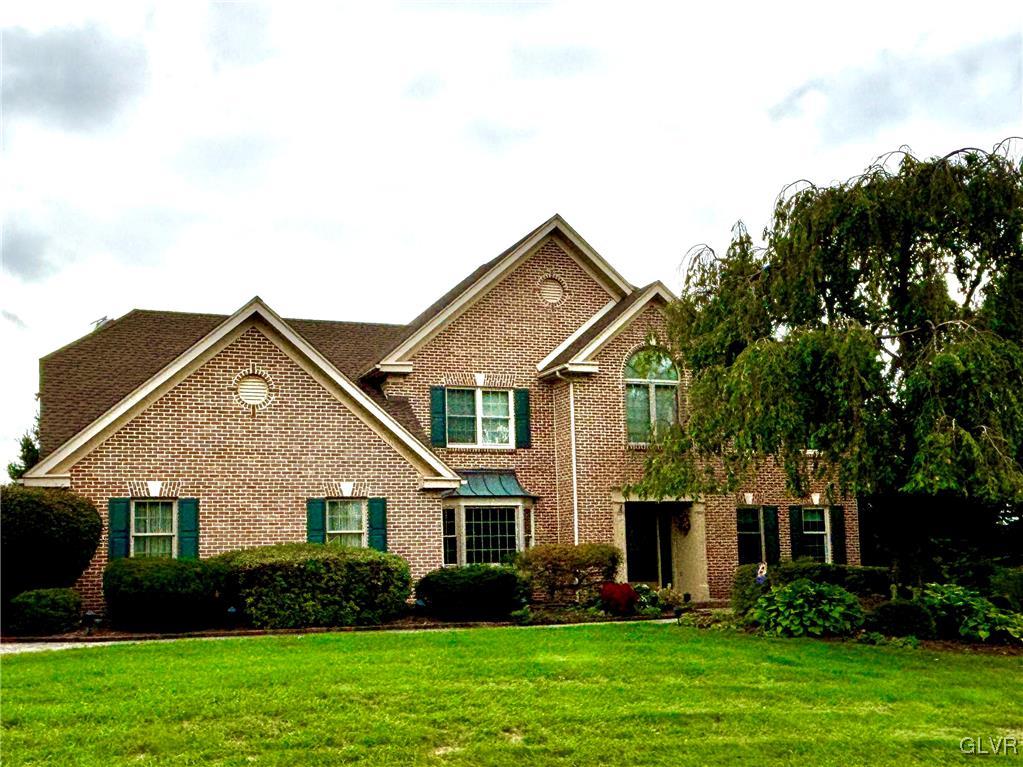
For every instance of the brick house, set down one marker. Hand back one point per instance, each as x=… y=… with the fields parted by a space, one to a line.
x=510 y=412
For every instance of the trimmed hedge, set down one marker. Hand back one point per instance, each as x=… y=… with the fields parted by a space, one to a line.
x=44 y=611
x=47 y=537
x=295 y=585
x=163 y=594
x=472 y=592
x=862 y=581
x=901 y=618
x=564 y=573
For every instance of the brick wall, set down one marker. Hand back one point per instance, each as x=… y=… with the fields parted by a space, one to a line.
x=253 y=474
x=504 y=335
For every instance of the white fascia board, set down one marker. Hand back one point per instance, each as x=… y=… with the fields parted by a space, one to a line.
x=483 y=284
x=401 y=368
x=579 y=331
x=569 y=368
x=53 y=480
x=655 y=290
x=254 y=307
x=440 y=483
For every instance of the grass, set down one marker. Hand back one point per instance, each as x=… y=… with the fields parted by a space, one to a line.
x=616 y=694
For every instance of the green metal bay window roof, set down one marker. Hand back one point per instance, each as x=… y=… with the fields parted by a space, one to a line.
x=489 y=483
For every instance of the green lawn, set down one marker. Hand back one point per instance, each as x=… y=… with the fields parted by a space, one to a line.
x=614 y=694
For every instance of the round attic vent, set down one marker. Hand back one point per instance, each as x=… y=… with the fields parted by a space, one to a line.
x=551 y=290
x=253 y=389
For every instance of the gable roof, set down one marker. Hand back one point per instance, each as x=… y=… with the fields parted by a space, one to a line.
x=582 y=350
x=255 y=308
x=76 y=384
x=462 y=295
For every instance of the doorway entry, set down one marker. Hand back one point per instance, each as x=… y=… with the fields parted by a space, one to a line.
x=649 y=533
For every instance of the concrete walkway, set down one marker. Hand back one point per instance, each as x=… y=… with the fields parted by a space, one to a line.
x=14 y=648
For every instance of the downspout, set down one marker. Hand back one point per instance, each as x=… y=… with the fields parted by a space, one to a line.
x=575 y=482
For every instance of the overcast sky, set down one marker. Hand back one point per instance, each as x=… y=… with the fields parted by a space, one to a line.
x=354 y=161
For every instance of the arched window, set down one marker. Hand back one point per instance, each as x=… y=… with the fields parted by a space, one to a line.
x=651 y=394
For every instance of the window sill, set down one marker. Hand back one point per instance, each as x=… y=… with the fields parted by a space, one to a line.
x=638 y=446
x=482 y=448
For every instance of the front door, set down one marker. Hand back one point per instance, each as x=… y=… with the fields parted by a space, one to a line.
x=648 y=543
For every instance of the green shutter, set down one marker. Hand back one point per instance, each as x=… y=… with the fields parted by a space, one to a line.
x=188 y=528
x=522 y=435
x=772 y=545
x=118 y=522
x=316 y=520
x=378 y=524
x=837 y=535
x=796 y=530
x=438 y=417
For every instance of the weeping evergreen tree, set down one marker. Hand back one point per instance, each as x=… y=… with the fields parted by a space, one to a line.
x=874 y=344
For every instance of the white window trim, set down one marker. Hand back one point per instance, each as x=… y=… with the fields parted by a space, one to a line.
x=651 y=405
x=460 y=506
x=174 y=525
x=826 y=512
x=477 y=445
x=365 y=520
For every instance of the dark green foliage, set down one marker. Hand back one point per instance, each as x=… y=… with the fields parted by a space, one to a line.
x=28 y=453
x=962 y=613
x=745 y=589
x=565 y=573
x=862 y=581
x=1007 y=584
x=901 y=618
x=473 y=592
x=299 y=584
x=880 y=326
x=163 y=594
x=48 y=537
x=806 y=608
x=44 y=611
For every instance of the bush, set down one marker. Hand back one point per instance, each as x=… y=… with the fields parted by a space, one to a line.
x=163 y=594
x=746 y=591
x=901 y=618
x=47 y=537
x=45 y=611
x=1007 y=584
x=294 y=585
x=473 y=592
x=618 y=598
x=863 y=581
x=804 y=607
x=565 y=573
x=960 y=612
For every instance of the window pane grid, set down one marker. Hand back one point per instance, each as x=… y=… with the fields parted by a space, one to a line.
x=489 y=534
x=153 y=529
x=346 y=522
x=450 y=537
x=637 y=411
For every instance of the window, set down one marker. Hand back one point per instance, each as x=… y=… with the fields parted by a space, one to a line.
x=751 y=536
x=346 y=522
x=816 y=534
x=651 y=394
x=152 y=529
x=450 y=537
x=480 y=418
x=475 y=534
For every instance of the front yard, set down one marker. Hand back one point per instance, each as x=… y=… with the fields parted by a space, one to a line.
x=612 y=694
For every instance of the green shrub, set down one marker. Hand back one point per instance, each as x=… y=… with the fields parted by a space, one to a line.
x=47 y=537
x=1007 y=584
x=900 y=618
x=804 y=607
x=45 y=611
x=299 y=584
x=162 y=594
x=473 y=592
x=565 y=574
x=863 y=581
x=960 y=612
x=746 y=591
